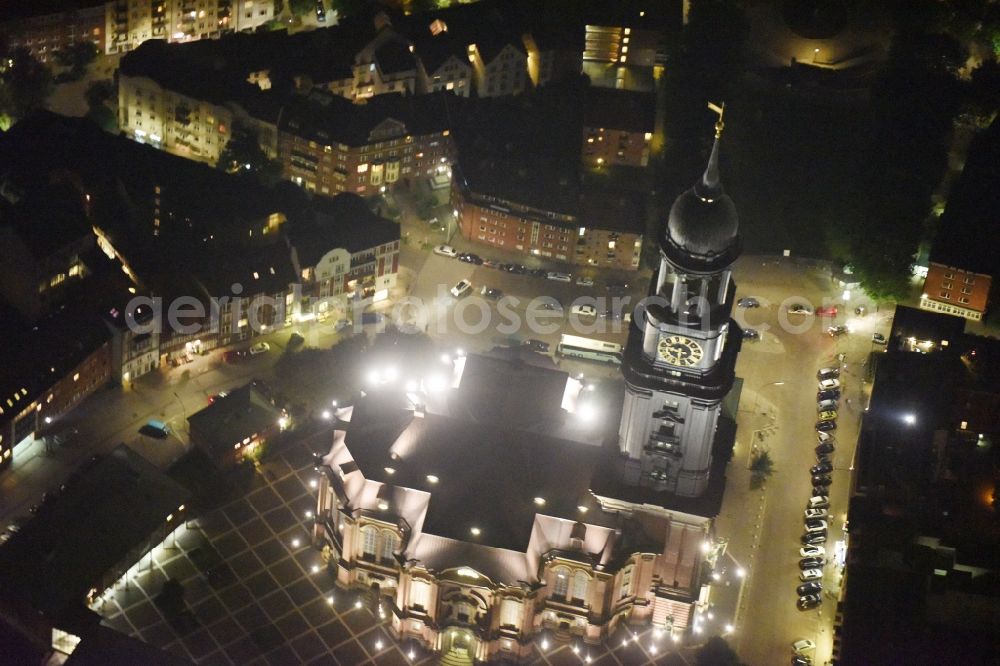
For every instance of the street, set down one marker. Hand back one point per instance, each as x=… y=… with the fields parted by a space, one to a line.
x=778 y=407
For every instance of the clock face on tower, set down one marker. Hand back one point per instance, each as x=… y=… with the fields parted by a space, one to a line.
x=679 y=350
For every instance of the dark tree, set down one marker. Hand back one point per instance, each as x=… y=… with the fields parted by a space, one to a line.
x=77 y=56
x=25 y=84
x=244 y=155
x=716 y=652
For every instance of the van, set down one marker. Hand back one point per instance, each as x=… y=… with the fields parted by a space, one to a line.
x=154 y=428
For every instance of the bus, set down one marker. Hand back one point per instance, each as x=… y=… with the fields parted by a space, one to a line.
x=589 y=349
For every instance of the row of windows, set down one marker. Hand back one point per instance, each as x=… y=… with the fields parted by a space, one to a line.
x=378 y=544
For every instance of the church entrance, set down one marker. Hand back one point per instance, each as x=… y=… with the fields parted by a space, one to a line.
x=458 y=648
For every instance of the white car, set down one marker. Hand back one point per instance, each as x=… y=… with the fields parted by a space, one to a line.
x=825 y=384
x=818 y=526
x=446 y=251
x=828 y=373
x=259 y=348
x=811 y=574
x=824 y=437
x=585 y=281
x=559 y=277
x=803 y=645
x=827 y=406
x=819 y=502
x=815 y=512
x=584 y=310
x=461 y=289
x=812 y=551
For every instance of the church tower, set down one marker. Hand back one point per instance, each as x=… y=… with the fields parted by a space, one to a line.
x=681 y=353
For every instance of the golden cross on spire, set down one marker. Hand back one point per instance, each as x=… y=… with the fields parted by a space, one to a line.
x=719 y=125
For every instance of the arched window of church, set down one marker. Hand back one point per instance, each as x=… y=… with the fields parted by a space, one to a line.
x=580 y=582
x=419 y=593
x=510 y=613
x=389 y=544
x=561 y=588
x=369 y=541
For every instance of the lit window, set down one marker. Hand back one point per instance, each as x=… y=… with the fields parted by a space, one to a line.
x=510 y=613
x=583 y=230
x=562 y=582
x=363 y=167
x=76 y=377
x=389 y=541
x=369 y=540
x=626 y=588
x=580 y=582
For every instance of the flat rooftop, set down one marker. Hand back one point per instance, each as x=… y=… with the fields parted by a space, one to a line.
x=108 y=511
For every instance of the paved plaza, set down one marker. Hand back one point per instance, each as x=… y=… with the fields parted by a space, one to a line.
x=256 y=592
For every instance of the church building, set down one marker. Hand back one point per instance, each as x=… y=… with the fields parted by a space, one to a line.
x=491 y=523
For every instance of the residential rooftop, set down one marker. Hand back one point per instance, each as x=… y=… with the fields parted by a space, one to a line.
x=107 y=512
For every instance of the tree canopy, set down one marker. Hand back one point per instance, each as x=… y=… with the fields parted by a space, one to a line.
x=244 y=155
x=25 y=84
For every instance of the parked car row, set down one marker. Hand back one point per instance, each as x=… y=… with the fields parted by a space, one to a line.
x=519 y=269
x=816 y=513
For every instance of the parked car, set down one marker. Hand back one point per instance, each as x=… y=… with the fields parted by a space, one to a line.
x=801 y=660
x=821 y=480
x=827 y=405
x=259 y=348
x=835 y=331
x=825 y=447
x=878 y=338
x=814 y=539
x=585 y=281
x=811 y=563
x=828 y=394
x=825 y=437
x=537 y=345
x=537 y=272
x=584 y=310
x=819 y=501
x=751 y=334
x=809 y=601
x=551 y=305
x=811 y=574
x=491 y=293
x=155 y=428
x=827 y=373
x=471 y=258
x=235 y=355
x=827 y=384
x=559 y=277
x=461 y=288
x=320 y=12
x=811 y=551
x=828 y=415
x=822 y=457
x=815 y=523
x=748 y=302
x=217 y=396
x=826 y=425
x=820 y=491
x=815 y=513
x=445 y=251
x=821 y=468
x=827 y=311
x=799 y=308
x=814 y=528
x=341 y=325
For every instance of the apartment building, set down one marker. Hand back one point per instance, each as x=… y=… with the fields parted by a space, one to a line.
x=47 y=26
x=129 y=23
x=617 y=128
x=963 y=260
x=330 y=146
x=600 y=229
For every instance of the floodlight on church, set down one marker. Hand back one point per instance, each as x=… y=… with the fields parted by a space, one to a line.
x=586 y=412
x=327 y=414
x=436 y=383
